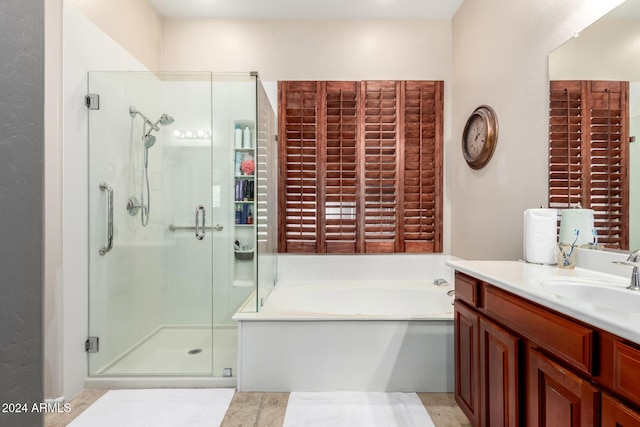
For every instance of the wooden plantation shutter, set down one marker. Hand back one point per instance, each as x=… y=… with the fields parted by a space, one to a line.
x=339 y=192
x=382 y=167
x=588 y=153
x=423 y=106
x=377 y=167
x=297 y=127
x=266 y=176
x=609 y=161
x=568 y=130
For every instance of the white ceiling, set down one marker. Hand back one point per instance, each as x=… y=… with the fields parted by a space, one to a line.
x=307 y=9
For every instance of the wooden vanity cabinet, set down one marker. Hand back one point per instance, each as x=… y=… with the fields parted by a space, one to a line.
x=486 y=363
x=520 y=364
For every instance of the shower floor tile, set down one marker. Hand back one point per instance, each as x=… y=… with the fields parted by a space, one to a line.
x=181 y=351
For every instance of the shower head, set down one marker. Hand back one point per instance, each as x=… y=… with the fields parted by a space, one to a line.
x=149 y=140
x=165 y=119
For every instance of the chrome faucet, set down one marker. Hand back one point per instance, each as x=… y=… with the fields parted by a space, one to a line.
x=635 y=276
x=633 y=261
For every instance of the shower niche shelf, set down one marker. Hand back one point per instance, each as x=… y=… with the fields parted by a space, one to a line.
x=244 y=203
x=244 y=255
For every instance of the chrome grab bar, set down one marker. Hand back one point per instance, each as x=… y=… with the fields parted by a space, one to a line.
x=173 y=227
x=104 y=249
x=200 y=225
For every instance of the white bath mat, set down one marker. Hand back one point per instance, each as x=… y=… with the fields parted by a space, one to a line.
x=157 y=408
x=352 y=409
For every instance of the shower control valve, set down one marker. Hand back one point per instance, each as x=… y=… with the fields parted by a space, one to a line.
x=133 y=206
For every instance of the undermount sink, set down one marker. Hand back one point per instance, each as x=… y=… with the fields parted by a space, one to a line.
x=594 y=292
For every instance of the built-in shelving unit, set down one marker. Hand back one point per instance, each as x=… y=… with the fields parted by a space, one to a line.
x=244 y=202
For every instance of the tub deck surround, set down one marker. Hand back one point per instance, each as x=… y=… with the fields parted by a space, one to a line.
x=354 y=323
x=520 y=278
x=372 y=300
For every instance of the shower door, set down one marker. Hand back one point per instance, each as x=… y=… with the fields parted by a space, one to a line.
x=153 y=223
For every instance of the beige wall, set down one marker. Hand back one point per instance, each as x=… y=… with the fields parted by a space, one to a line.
x=134 y=24
x=311 y=49
x=500 y=51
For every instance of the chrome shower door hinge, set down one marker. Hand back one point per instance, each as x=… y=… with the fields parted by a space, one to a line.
x=92 y=345
x=92 y=101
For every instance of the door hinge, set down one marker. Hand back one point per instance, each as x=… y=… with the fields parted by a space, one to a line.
x=92 y=345
x=92 y=101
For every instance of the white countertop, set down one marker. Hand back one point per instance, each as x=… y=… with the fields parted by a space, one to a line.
x=519 y=278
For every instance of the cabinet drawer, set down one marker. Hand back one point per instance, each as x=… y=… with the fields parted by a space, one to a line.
x=626 y=370
x=467 y=289
x=564 y=338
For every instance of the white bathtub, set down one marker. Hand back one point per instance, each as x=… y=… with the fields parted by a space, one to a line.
x=358 y=300
x=358 y=335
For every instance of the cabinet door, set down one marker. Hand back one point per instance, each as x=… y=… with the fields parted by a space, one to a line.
x=499 y=395
x=466 y=363
x=557 y=397
x=615 y=414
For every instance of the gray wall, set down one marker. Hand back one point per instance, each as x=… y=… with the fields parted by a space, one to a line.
x=21 y=206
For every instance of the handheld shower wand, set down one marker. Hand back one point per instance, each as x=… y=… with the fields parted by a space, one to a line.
x=148 y=140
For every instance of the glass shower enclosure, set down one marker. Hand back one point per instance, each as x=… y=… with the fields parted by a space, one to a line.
x=182 y=219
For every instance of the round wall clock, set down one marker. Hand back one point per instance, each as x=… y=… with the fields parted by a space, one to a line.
x=480 y=136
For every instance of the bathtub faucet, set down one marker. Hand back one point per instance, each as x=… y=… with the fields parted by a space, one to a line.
x=440 y=282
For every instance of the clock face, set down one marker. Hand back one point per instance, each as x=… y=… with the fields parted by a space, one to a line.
x=476 y=137
x=479 y=137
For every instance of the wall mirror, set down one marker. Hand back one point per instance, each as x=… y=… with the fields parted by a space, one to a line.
x=609 y=49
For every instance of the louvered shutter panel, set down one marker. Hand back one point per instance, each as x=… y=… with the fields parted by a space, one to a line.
x=423 y=106
x=266 y=175
x=298 y=166
x=360 y=166
x=608 y=156
x=381 y=166
x=568 y=126
x=339 y=192
x=588 y=153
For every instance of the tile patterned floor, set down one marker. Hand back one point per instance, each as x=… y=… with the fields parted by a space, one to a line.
x=268 y=409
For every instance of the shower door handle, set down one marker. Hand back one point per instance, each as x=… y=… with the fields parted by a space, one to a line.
x=104 y=249
x=200 y=222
